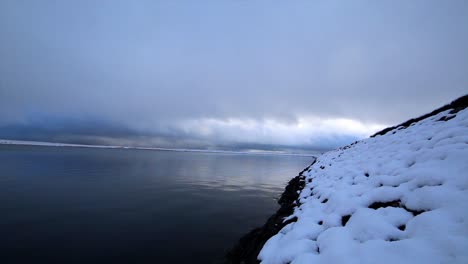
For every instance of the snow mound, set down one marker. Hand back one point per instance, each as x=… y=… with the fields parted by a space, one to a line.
x=401 y=197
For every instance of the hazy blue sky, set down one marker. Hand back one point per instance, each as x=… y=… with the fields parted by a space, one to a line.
x=226 y=74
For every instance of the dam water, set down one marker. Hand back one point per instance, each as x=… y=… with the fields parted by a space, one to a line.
x=85 y=205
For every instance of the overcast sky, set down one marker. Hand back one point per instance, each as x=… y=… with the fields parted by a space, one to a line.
x=226 y=74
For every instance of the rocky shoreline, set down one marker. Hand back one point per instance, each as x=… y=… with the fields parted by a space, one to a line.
x=248 y=247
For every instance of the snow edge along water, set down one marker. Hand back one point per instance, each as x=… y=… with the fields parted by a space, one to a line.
x=291 y=243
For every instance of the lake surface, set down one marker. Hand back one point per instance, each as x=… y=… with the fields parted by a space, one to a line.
x=83 y=205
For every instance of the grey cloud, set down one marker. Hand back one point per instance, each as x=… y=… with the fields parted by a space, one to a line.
x=104 y=133
x=147 y=66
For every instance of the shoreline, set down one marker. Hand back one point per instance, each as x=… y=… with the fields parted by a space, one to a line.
x=8 y=142
x=249 y=246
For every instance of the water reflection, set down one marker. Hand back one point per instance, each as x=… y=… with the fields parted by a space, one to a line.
x=120 y=206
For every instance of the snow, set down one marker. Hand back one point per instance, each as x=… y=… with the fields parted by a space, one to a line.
x=397 y=198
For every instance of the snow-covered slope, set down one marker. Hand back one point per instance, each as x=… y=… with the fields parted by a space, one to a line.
x=401 y=197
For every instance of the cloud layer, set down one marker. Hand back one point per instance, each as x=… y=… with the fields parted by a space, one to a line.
x=309 y=73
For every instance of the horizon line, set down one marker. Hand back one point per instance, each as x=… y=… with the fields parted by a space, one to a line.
x=60 y=144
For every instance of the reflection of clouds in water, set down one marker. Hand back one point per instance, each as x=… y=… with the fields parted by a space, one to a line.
x=155 y=199
x=234 y=172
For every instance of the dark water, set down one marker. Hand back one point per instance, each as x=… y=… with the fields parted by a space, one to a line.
x=80 y=205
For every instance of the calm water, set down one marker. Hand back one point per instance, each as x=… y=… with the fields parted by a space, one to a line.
x=76 y=205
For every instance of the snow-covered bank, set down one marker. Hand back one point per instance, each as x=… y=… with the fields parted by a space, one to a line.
x=399 y=197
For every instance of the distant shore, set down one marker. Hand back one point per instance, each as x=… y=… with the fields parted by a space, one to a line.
x=54 y=144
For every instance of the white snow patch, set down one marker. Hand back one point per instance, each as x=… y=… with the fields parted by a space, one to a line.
x=405 y=194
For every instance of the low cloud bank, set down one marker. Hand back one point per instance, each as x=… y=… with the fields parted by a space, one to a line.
x=303 y=134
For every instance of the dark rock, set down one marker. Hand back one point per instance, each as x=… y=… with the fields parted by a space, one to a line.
x=414 y=212
x=292 y=220
x=446 y=118
x=378 y=205
x=395 y=203
x=345 y=219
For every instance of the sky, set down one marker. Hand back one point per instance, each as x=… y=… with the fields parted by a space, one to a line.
x=237 y=75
